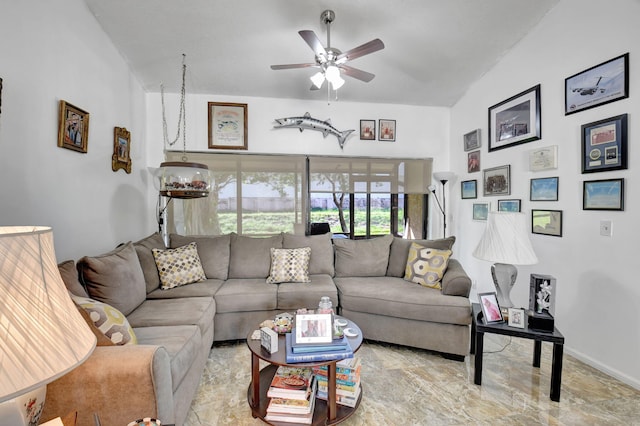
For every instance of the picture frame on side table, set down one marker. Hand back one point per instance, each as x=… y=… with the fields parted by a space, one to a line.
x=367 y=130
x=469 y=189
x=543 y=158
x=472 y=140
x=73 y=127
x=496 y=181
x=387 y=130
x=544 y=189
x=604 y=145
x=516 y=120
x=601 y=84
x=121 y=158
x=491 y=312
x=480 y=211
x=516 y=318
x=512 y=205
x=227 y=125
x=473 y=162
x=313 y=328
x=605 y=194
x=546 y=222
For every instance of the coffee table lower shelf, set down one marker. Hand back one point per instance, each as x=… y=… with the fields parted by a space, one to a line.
x=259 y=409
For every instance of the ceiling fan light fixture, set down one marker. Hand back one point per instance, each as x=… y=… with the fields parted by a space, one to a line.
x=332 y=73
x=317 y=79
x=337 y=82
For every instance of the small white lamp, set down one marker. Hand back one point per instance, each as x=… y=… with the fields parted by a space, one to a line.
x=506 y=242
x=42 y=334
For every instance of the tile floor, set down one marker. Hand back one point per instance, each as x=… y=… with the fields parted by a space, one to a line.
x=406 y=386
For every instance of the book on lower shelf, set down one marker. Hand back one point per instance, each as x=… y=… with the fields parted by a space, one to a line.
x=291 y=382
x=288 y=410
x=317 y=356
x=348 y=400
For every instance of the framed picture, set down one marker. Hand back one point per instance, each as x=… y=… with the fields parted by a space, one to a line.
x=469 y=189
x=314 y=328
x=491 y=312
x=598 y=85
x=509 y=205
x=516 y=120
x=480 y=211
x=604 y=145
x=606 y=194
x=544 y=189
x=387 y=130
x=121 y=158
x=0 y=95
x=516 y=318
x=368 y=130
x=473 y=161
x=546 y=222
x=497 y=180
x=472 y=140
x=227 y=125
x=73 y=128
x=543 y=158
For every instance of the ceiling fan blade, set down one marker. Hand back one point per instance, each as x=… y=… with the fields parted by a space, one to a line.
x=313 y=41
x=357 y=73
x=356 y=52
x=291 y=66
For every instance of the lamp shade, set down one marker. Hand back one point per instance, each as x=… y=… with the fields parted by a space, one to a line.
x=506 y=240
x=42 y=334
x=444 y=176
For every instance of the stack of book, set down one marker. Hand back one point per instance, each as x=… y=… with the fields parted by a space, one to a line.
x=316 y=352
x=347 y=381
x=293 y=395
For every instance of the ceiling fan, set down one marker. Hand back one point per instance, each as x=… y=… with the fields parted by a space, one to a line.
x=331 y=61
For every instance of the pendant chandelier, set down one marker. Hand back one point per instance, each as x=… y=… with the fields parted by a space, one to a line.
x=181 y=179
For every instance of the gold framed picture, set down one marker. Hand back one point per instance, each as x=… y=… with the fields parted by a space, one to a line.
x=121 y=158
x=73 y=128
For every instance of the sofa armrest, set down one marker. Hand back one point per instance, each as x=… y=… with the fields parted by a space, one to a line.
x=119 y=383
x=455 y=281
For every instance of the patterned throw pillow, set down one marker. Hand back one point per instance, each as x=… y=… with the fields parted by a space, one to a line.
x=289 y=265
x=178 y=266
x=110 y=321
x=426 y=266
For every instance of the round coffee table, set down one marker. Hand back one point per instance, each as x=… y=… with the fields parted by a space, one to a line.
x=325 y=412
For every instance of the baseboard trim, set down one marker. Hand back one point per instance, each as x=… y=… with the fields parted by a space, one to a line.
x=604 y=368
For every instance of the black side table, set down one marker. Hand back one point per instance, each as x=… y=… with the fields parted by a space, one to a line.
x=478 y=328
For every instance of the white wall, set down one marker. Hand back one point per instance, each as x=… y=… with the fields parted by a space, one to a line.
x=52 y=51
x=598 y=294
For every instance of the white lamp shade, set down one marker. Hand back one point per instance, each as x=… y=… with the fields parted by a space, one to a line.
x=42 y=334
x=506 y=240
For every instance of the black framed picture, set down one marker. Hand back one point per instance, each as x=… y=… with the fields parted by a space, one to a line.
x=512 y=205
x=601 y=84
x=491 y=312
x=368 y=130
x=469 y=189
x=604 y=145
x=544 y=189
x=472 y=140
x=546 y=222
x=387 y=130
x=516 y=120
x=605 y=194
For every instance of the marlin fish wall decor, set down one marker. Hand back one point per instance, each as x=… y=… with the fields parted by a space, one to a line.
x=307 y=122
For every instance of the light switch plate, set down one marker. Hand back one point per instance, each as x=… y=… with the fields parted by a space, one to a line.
x=605 y=228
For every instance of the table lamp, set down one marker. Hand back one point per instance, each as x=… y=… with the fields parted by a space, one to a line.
x=42 y=334
x=506 y=242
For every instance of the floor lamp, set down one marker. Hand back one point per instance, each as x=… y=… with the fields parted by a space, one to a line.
x=443 y=177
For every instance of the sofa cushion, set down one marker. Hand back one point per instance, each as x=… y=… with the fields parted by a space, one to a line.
x=213 y=251
x=400 y=251
x=395 y=297
x=251 y=256
x=101 y=338
x=206 y=288
x=362 y=258
x=69 y=274
x=147 y=262
x=115 y=278
x=426 y=266
x=289 y=265
x=185 y=311
x=110 y=321
x=182 y=342
x=321 y=251
x=246 y=294
x=292 y=296
x=178 y=266
x=456 y=282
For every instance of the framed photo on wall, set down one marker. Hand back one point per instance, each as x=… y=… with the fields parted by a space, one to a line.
x=606 y=194
x=368 y=130
x=546 y=222
x=601 y=84
x=480 y=211
x=387 y=130
x=121 y=158
x=509 y=205
x=473 y=162
x=544 y=189
x=496 y=181
x=469 y=189
x=227 y=125
x=73 y=128
x=472 y=140
x=543 y=158
x=604 y=145
x=515 y=120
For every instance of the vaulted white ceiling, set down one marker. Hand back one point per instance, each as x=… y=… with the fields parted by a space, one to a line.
x=435 y=49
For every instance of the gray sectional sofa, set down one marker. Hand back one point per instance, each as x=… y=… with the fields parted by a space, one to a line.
x=175 y=328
